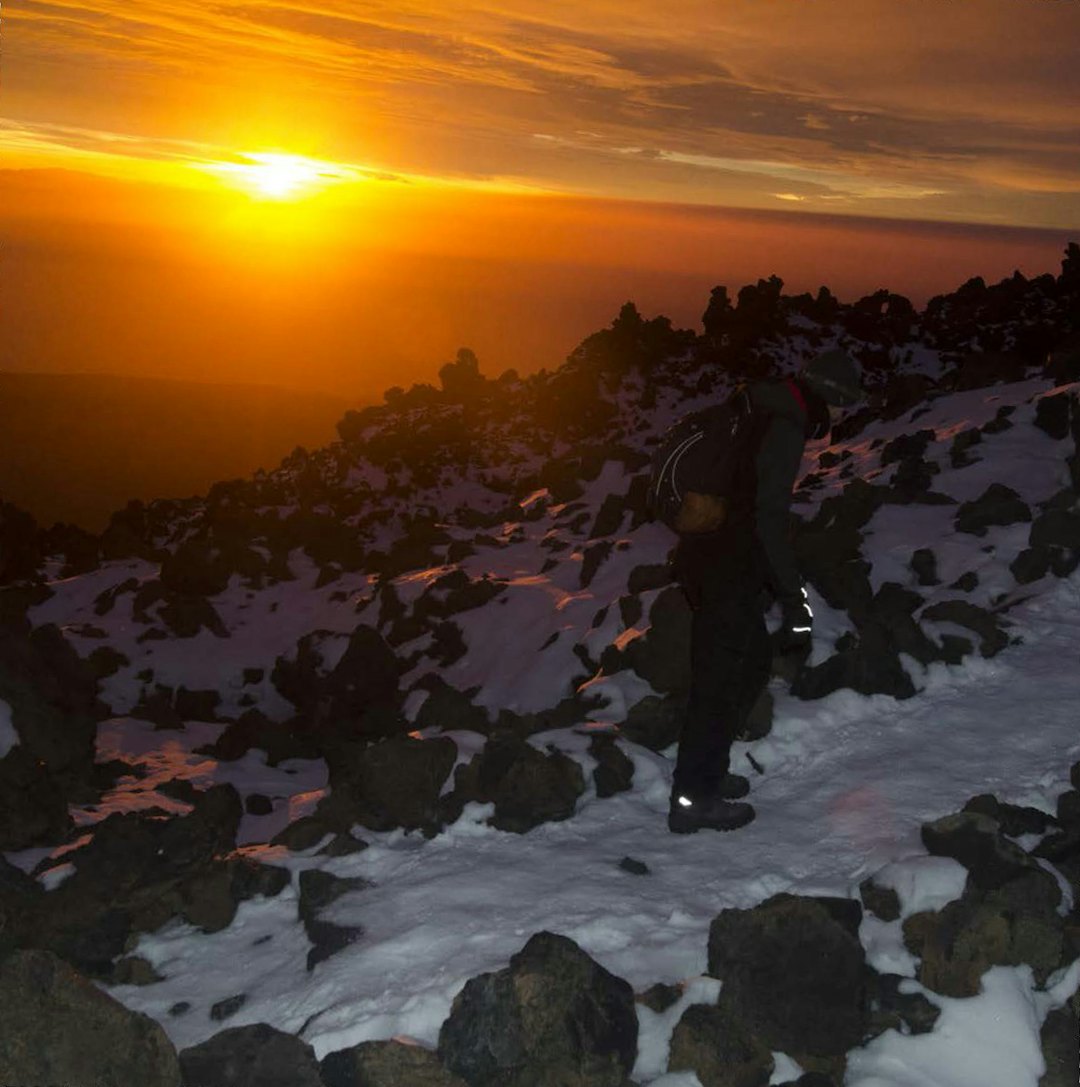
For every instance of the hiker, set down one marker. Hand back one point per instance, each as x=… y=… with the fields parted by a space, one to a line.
x=724 y=573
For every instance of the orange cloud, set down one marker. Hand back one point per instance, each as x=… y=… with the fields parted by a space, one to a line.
x=870 y=106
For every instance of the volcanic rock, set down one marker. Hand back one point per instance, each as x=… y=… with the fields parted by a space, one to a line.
x=57 y=1027
x=251 y=1056
x=386 y=1064
x=553 y=1017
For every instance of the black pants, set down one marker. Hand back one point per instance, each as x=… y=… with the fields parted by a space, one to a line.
x=731 y=657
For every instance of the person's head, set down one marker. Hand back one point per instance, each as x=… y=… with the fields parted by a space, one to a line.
x=835 y=377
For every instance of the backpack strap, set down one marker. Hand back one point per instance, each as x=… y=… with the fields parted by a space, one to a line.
x=796 y=392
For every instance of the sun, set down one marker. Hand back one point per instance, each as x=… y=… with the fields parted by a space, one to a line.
x=282 y=176
x=276 y=175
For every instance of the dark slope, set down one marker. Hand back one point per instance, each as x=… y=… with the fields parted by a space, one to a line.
x=75 y=447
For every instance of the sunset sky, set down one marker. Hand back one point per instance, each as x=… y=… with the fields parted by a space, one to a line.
x=211 y=190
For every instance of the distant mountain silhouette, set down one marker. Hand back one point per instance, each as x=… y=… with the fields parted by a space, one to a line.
x=76 y=447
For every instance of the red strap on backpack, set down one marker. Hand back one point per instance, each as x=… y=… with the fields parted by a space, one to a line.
x=796 y=392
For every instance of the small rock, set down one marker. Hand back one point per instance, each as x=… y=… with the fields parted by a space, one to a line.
x=924 y=566
x=257 y=804
x=134 y=970
x=660 y=997
x=635 y=867
x=225 y=1009
x=966 y=582
x=302 y=834
x=342 y=845
x=894 y=1009
x=882 y=902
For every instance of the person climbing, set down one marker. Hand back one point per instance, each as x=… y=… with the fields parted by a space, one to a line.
x=723 y=574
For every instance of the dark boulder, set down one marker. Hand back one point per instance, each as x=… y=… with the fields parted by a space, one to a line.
x=794 y=969
x=595 y=555
x=891 y=1009
x=906 y=446
x=392 y=783
x=526 y=786
x=644 y=578
x=58 y=1027
x=53 y=698
x=448 y=708
x=978 y=369
x=609 y=519
x=319 y=889
x=978 y=620
x=1007 y=914
x=868 y=662
x=661 y=656
x=1013 y=819
x=1052 y=415
x=959 y=457
x=195 y=568
x=958 y=944
x=138 y=872
x=279 y=739
x=614 y=772
x=553 y=1017
x=358 y=698
x=227 y=1008
x=20 y=545
x=33 y=803
x=1057 y=1039
x=655 y=722
x=1063 y=360
x=660 y=996
x=997 y=505
x=882 y=902
x=924 y=565
x=1030 y=565
x=1056 y=528
x=386 y=1064
x=975 y=840
x=251 y=1056
x=1001 y=421
x=714 y=1043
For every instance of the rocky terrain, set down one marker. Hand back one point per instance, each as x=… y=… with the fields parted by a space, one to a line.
x=457 y=622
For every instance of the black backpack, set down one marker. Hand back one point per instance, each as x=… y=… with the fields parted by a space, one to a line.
x=696 y=465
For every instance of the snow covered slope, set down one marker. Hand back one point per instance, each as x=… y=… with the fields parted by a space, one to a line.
x=469 y=567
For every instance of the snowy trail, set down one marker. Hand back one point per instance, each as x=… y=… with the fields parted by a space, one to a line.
x=848 y=781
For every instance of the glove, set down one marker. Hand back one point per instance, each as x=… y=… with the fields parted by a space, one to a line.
x=796 y=625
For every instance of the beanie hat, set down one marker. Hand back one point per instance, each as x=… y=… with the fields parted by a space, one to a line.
x=835 y=377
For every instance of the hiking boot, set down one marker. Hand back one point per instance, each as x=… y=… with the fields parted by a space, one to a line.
x=687 y=816
x=732 y=787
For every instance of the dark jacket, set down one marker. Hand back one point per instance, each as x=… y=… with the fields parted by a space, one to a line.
x=756 y=541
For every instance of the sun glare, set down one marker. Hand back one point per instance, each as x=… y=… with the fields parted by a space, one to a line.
x=277 y=176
